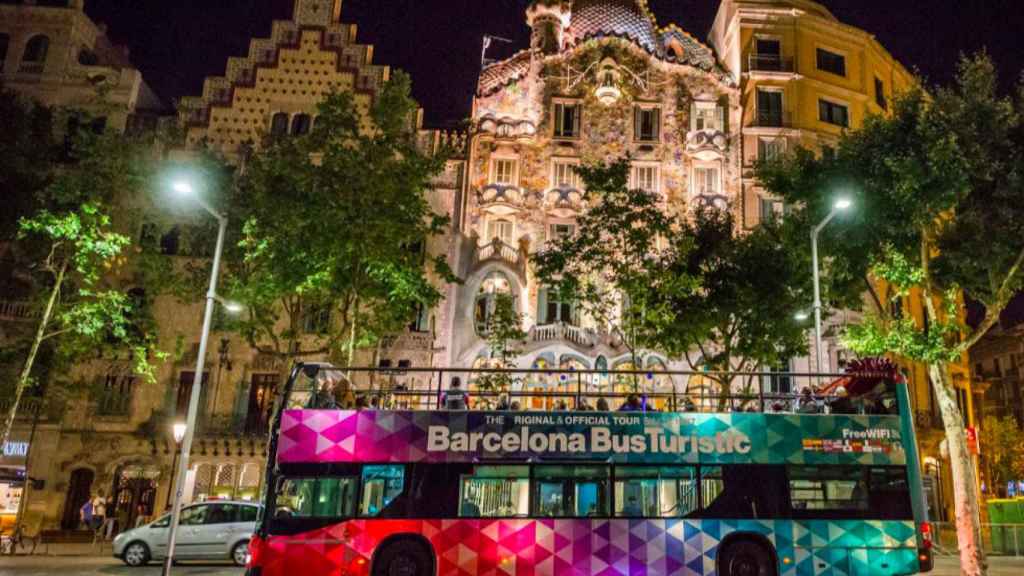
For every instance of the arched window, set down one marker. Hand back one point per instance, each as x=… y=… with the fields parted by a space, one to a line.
x=35 y=54
x=279 y=124
x=494 y=283
x=301 y=124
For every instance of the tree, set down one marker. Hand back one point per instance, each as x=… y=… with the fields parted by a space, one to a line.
x=613 y=265
x=937 y=187
x=78 y=254
x=680 y=283
x=335 y=226
x=504 y=330
x=753 y=284
x=1002 y=451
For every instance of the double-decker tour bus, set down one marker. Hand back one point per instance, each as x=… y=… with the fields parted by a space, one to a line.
x=772 y=492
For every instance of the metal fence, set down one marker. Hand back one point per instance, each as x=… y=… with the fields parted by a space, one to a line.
x=589 y=389
x=998 y=539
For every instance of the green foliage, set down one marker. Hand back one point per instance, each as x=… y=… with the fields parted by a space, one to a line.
x=338 y=220
x=677 y=284
x=1002 y=450
x=936 y=190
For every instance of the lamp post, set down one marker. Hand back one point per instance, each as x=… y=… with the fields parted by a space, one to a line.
x=178 y=430
x=840 y=205
x=184 y=188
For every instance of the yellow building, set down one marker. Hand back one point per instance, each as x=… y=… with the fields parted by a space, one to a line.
x=805 y=78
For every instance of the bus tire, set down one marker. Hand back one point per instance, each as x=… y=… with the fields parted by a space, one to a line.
x=745 y=557
x=404 y=557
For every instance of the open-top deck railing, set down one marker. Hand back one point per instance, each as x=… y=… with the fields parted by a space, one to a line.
x=586 y=389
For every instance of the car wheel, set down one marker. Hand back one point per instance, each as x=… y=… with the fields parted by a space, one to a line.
x=745 y=558
x=240 y=553
x=136 y=554
x=403 y=558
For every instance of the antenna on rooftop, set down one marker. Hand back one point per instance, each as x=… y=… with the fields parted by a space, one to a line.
x=488 y=40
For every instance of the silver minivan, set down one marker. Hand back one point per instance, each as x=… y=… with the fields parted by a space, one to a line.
x=217 y=530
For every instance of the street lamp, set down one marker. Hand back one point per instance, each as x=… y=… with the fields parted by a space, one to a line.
x=185 y=188
x=840 y=205
x=800 y=316
x=178 y=431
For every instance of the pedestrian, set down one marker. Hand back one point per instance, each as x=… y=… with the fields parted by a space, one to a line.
x=602 y=405
x=99 y=511
x=456 y=398
x=85 y=514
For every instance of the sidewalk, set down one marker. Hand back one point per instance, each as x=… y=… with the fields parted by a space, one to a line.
x=70 y=549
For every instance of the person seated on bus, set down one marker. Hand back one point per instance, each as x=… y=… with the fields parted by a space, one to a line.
x=470 y=509
x=632 y=404
x=632 y=508
x=326 y=395
x=456 y=398
x=842 y=404
x=602 y=405
x=582 y=406
x=515 y=407
x=503 y=403
x=807 y=404
x=561 y=406
x=361 y=403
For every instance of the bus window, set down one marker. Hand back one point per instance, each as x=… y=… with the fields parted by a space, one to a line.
x=742 y=491
x=655 y=492
x=825 y=488
x=382 y=484
x=570 y=491
x=890 y=494
x=495 y=492
x=316 y=498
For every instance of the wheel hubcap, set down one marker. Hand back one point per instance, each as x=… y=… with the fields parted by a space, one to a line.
x=134 y=554
x=403 y=566
x=744 y=566
x=241 y=555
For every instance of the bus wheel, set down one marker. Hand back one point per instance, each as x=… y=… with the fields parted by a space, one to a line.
x=403 y=558
x=744 y=558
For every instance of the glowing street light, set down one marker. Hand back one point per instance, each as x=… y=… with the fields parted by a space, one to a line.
x=840 y=205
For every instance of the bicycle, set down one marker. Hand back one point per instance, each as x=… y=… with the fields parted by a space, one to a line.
x=10 y=544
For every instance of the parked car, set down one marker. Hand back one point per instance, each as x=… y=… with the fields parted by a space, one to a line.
x=207 y=531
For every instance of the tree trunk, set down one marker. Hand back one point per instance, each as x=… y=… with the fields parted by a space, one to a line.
x=965 y=482
x=26 y=371
x=352 y=338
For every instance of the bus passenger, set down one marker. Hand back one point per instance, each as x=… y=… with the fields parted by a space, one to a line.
x=470 y=508
x=632 y=404
x=807 y=404
x=456 y=398
x=602 y=405
x=842 y=403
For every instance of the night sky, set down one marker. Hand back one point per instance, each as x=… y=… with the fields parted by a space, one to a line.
x=178 y=43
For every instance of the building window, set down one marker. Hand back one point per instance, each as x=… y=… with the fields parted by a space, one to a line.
x=486 y=299
x=421 y=323
x=35 y=54
x=769 y=108
x=116 y=395
x=644 y=178
x=833 y=113
x=770 y=149
x=767 y=55
x=5 y=41
x=567 y=120
x=706 y=181
x=279 y=124
x=500 y=229
x=564 y=176
x=647 y=124
x=316 y=319
x=301 y=124
x=880 y=98
x=552 y=309
x=504 y=172
x=771 y=209
x=831 y=62
x=559 y=231
x=707 y=116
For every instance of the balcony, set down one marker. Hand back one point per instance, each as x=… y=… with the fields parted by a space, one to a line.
x=772 y=120
x=769 y=63
x=707 y=144
x=564 y=200
x=505 y=199
x=17 y=311
x=562 y=332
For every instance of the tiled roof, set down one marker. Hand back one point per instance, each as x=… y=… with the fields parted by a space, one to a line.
x=695 y=53
x=501 y=73
x=620 y=18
